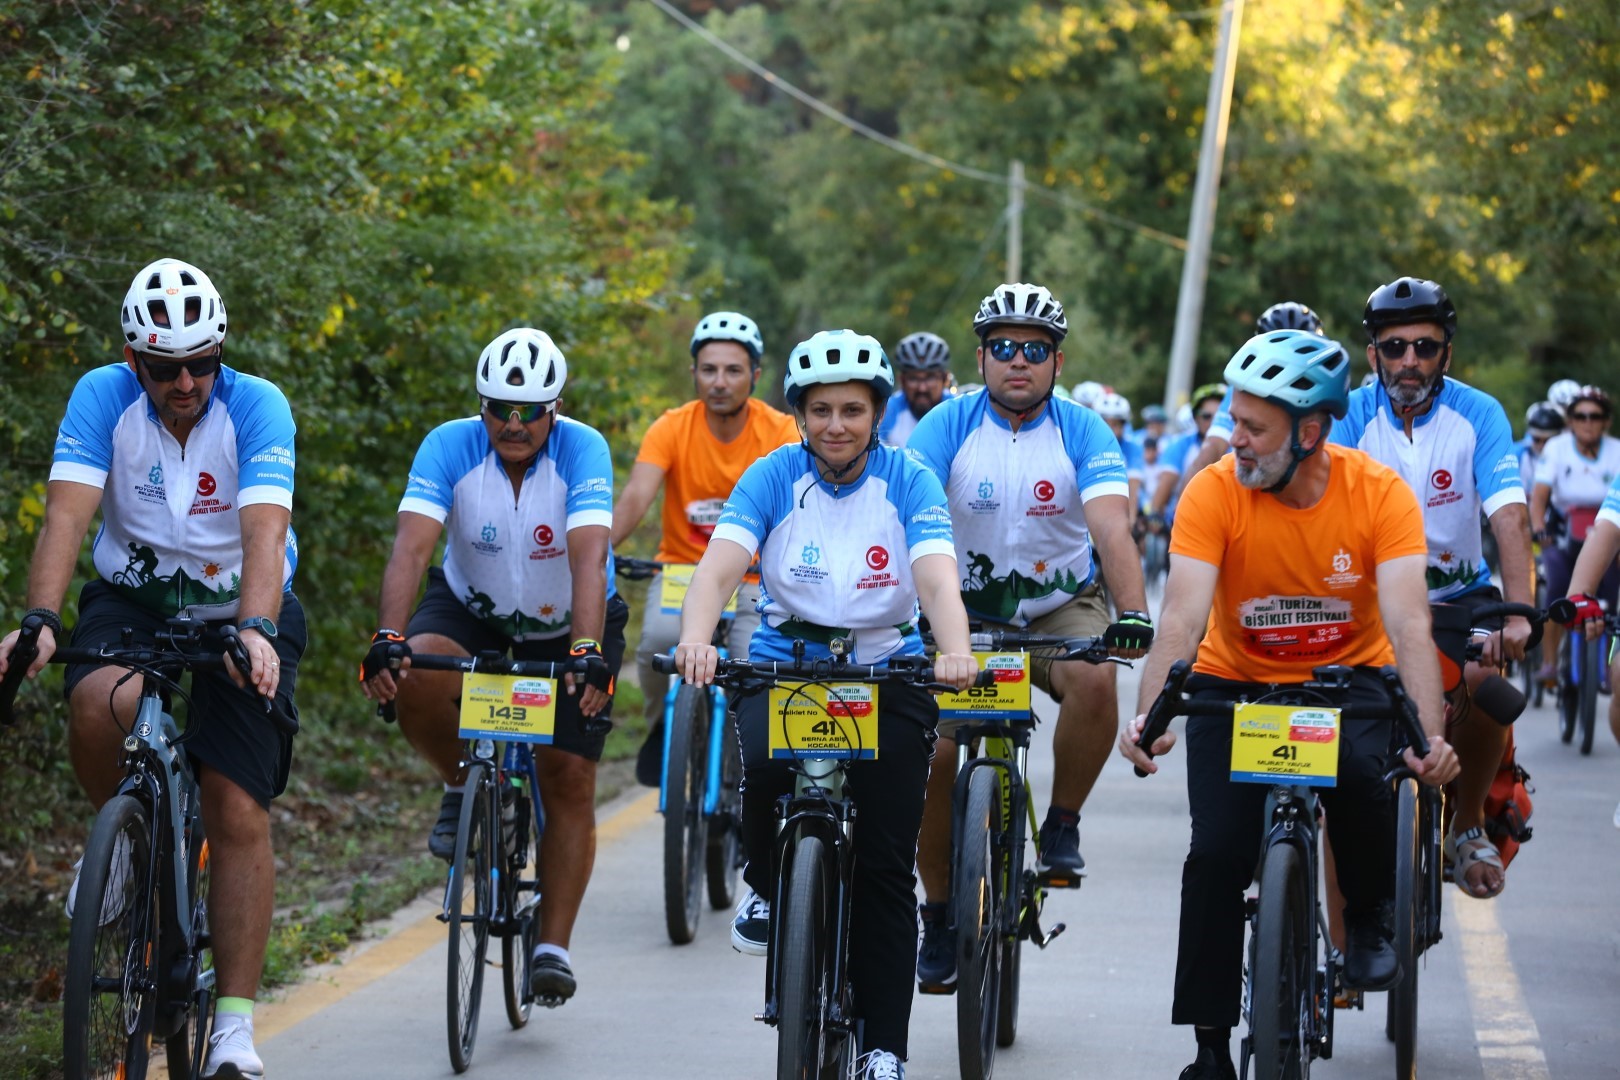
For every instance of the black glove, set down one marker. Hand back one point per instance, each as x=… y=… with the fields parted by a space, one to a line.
x=1134 y=630
x=596 y=674
x=388 y=648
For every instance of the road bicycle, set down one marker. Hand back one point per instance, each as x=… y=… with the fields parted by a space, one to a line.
x=1582 y=675
x=996 y=899
x=1292 y=973
x=699 y=790
x=140 y=962
x=807 y=992
x=493 y=887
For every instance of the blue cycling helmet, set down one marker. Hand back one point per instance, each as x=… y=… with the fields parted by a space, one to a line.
x=1288 y=315
x=837 y=356
x=729 y=326
x=1301 y=372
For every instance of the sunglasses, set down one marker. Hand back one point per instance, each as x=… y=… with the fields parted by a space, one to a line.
x=1004 y=349
x=1588 y=416
x=166 y=371
x=1207 y=415
x=524 y=412
x=1423 y=348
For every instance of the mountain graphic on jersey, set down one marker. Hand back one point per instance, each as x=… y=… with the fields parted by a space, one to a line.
x=1452 y=571
x=513 y=624
x=998 y=597
x=139 y=581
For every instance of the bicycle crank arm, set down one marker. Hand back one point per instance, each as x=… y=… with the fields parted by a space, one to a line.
x=1043 y=939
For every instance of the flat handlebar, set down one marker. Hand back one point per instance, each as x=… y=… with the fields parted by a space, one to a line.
x=911 y=671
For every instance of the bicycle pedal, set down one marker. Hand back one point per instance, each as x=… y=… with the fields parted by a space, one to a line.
x=550 y=1001
x=936 y=989
x=1053 y=879
x=1349 y=999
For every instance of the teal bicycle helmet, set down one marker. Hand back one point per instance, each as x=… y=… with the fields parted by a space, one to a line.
x=1300 y=371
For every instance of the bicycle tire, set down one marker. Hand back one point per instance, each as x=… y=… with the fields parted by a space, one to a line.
x=470 y=904
x=1568 y=690
x=724 y=857
x=1283 y=969
x=1410 y=901
x=520 y=884
x=187 y=1048
x=1591 y=676
x=801 y=964
x=977 y=900
x=108 y=991
x=685 y=827
x=1022 y=890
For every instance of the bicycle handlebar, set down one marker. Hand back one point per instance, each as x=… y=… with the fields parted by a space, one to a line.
x=910 y=671
x=636 y=569
x=1173 y=702
x=136 y=657
x=490 y=663
x=1536 y=617
x=1045 y=646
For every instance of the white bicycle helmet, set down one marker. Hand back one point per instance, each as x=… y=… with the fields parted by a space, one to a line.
x=836 y=356
x=1114 y=406
x=522 y=365
x=1297 y=370
x=172 y=309
x=1562 y=392
x=728 y=326
x=1021 y=304
x=1184 y=419
x=1089 y=394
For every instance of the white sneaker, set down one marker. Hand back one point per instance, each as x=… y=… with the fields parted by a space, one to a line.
x=879 y=1065
x=231 y=1055
x=1617 y=816
x=112 y=897
x=750 y=930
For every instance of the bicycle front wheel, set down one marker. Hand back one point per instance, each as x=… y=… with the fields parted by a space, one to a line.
x=1569 y=707
x=108 y=992
x=977 y=903
x=1591 y=676
x=723 y=858
x=1401 y=1023
x=801 y=965
x=1283 y=969
x=685 y=828
x=522 y=906
x=469 y=905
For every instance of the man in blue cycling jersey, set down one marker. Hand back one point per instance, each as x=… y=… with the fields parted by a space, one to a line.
x=1453 y=446
x=524 y=498
x=190 y=463
x=922 y=361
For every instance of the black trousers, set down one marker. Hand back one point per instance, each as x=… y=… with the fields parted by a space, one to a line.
x=888 y=793
x=1227 y=831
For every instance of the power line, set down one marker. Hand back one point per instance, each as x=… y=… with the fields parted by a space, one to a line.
x=915 y=153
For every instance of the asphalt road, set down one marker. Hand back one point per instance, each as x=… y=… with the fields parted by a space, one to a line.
x=1524 y=987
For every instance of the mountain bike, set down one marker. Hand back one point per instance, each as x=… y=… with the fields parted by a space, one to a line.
x=807 y=992
x=700 y=789
x=996 y=900
x=493 y=888
x=140 y=962
x=1292 y=973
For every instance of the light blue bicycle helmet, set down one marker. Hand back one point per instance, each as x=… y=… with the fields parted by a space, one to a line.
x=729 y=326
x=837 y=356
x=1300 y=371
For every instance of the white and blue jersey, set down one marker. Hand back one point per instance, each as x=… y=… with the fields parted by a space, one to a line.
x=1222 y=426
x=1460 y=460
x=1017 y=500
x=1610 y=510
x=898 y=421
x=506 y=556
x=171 y=531
x=1177 y=456
x=837 y=555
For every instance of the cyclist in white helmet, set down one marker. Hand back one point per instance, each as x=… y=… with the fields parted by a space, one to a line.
x=923 y=362
x=1562 y=393
x=523 y=497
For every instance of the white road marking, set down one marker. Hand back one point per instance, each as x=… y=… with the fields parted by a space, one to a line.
x=1509 y=1041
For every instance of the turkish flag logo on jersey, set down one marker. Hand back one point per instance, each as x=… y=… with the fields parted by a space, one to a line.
x=1044 y=491
x=1441 y=480
x=542 y=535
x=877 y=557
x=205 y=485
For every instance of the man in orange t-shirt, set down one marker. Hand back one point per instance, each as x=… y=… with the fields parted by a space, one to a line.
x=1288 y=555
x=697 y=453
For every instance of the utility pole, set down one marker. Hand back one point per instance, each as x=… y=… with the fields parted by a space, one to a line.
x=1206 y=190
x=1015 y=221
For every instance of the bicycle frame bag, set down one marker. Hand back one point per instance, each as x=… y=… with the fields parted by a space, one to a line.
x=1451 y=630
x=1508 y=806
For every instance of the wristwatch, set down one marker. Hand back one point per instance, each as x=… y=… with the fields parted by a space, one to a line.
x=261 y=624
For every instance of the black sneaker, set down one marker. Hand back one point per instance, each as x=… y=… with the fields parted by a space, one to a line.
x=650 y=758
x=1059 y=856
x=442 y=840
x=751 y=929
x=551 y=980
x=1209 y=1066
x=936 y=957
x=1370 y=962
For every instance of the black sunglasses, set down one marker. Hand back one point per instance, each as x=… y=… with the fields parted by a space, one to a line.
x=1424 y=348
x=1208 y=415
x=525 y=412
x=1004 y=349
x=166 y=371
x=1588 y=416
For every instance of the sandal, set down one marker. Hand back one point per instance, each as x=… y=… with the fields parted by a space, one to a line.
x=1467 y=850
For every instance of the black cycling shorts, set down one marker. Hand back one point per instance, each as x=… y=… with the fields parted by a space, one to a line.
x=233 y=736
x=440 y=612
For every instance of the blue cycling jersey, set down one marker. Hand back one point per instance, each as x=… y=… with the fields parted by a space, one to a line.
x=506 y=555
x=898 y=421
x=171 y=533
x=1610 y=510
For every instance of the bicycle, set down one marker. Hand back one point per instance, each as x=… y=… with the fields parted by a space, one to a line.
x=1292 y=974
x=807 y=993
x=140 y=962
x=996 y=900
x=699 y=790
x=1582 y=673
x=493 y=887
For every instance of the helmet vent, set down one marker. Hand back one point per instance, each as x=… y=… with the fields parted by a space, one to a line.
x=193 y=309
x=159 y=313
x=1272 y=372
x=155 y=281
x=834 y=356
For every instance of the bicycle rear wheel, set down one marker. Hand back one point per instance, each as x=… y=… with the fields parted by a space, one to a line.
x=108 y=991
x=469 y=905
x=1569 y=707
x=187 y=1047
x=723 y=858
x=685 y=828
x=522 y=905
x=1591 y=676
x=1401 y=1022
x=977 y=905
x=801 y=964
x=1283 y=969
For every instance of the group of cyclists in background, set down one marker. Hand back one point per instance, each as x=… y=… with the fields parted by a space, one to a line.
x=1302 y=523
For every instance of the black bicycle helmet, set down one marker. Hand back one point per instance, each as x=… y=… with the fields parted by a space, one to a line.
x=1288 y=315
x=1409 y=300
x=1544 y=417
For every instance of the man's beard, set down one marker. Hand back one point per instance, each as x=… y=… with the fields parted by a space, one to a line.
x=1267 y=470
x=1410 y=395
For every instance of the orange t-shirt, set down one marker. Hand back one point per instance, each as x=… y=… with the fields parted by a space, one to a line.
x=1297 y=588
x=700 y=470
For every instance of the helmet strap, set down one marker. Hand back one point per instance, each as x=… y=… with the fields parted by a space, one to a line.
x=1020 y=415
x=1299 y=455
